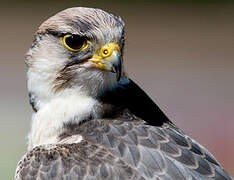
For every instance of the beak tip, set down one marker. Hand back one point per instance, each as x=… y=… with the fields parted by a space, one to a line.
x=118 y=68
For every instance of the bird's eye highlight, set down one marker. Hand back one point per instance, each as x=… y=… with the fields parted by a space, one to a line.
x=74 y=42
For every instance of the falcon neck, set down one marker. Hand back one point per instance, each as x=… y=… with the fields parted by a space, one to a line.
x=49 y=121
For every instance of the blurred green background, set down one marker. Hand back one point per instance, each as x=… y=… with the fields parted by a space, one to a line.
x=180 y=52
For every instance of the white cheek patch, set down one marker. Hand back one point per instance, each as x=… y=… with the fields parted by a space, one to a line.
x=46 y=61
x=48 y=122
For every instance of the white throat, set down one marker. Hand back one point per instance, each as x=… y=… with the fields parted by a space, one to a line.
x=49 y=120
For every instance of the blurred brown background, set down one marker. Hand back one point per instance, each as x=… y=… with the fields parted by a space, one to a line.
x=180 y=52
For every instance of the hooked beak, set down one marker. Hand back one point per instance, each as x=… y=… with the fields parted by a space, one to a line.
x=109 y=59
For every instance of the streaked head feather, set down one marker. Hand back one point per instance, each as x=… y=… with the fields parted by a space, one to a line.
x=48 y=59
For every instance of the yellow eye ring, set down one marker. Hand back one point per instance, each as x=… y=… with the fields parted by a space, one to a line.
x=74 y=43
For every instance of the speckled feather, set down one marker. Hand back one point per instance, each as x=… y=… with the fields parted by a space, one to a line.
x=84 y=160
x=122 y=148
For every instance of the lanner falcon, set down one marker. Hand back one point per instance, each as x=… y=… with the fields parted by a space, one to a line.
x=90 y=120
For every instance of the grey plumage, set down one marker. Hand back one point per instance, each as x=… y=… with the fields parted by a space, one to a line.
x=88 y=124
x=122 y=149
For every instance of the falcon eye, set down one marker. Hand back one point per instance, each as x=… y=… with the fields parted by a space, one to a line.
x=74 y=42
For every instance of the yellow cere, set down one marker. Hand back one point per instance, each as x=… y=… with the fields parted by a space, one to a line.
x=108 y=49
x=95 y=59
x=102 y=66
x=105 y=52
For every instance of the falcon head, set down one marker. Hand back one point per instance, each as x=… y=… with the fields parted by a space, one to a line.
x=79 y=50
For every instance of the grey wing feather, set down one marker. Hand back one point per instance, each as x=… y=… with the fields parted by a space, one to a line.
x=155 y=152
x=122 y=148
x=82 y=161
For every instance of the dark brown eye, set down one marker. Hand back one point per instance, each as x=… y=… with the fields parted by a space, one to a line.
x=74 y=42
